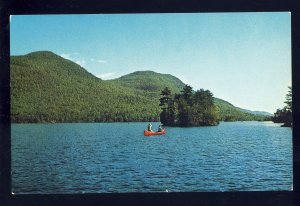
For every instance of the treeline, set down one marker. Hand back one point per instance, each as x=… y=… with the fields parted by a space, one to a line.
x=48 y=88
x=46 y=118
x=230 y=113
x=284 y=115
x=188 y=108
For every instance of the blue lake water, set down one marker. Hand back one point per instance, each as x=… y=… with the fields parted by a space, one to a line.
x=117 y=157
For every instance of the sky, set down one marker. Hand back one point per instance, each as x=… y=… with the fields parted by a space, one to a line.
x=243 y=58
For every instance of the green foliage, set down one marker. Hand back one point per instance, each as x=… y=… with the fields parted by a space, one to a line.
x=288 y=98
x=228 y=112
x=193 y=109
x=285 y=115
x=166 y=98
x=168 y=108
x=48 y=88
x=149 y=83
x=187 y=94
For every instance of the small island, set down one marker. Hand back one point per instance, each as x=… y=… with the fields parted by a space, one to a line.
x=188 y=108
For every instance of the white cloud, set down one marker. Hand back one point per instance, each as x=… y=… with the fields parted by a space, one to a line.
x=108 y=75
x=66 y=56
x=81 y=61
x=101 y=61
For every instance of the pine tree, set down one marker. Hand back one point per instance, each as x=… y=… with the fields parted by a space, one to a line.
x=288 y=98
x=188 y=108
x=285 y=115
x=164 y=104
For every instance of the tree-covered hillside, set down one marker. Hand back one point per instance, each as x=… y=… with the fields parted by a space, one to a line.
x=48 y=88
x=150 y=82
x=228 y=112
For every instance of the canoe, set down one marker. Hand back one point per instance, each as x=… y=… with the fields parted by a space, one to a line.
x=149 y=133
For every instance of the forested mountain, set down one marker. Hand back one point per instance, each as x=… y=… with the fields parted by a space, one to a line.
x=150 y=82
x=256 y=112
x=48 y=88
x=229 y=112
x=153 y=83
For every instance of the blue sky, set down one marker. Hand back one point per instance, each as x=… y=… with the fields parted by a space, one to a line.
x=244 y=58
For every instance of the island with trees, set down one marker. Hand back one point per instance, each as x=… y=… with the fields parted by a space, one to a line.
x=188 y=108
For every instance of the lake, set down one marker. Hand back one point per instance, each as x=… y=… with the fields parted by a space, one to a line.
x=118 y=158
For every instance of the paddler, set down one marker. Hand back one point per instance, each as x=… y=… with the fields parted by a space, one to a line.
x=150 y=127
x=160 y=128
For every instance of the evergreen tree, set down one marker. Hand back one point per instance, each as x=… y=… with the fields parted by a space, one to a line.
x=288 y=98
x=171 y=113
x=184 y=112
x=166 y=96
x=285 y=115
x=187 y=94
x=190 y=109
x=165 y=103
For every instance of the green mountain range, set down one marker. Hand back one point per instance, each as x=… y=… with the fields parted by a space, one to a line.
x=48 y=88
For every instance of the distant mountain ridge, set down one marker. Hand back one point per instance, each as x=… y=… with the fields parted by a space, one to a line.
x=49 y=88
x=256 y=112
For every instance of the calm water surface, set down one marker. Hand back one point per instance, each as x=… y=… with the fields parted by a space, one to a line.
x=117 y=157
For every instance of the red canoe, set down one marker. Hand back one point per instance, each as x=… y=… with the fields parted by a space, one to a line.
x=149 y=133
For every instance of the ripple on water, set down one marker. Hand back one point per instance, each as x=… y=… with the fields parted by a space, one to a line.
x=82 y=158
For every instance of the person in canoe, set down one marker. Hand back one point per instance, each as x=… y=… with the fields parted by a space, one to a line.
x=150 y=127
x=160 y=129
